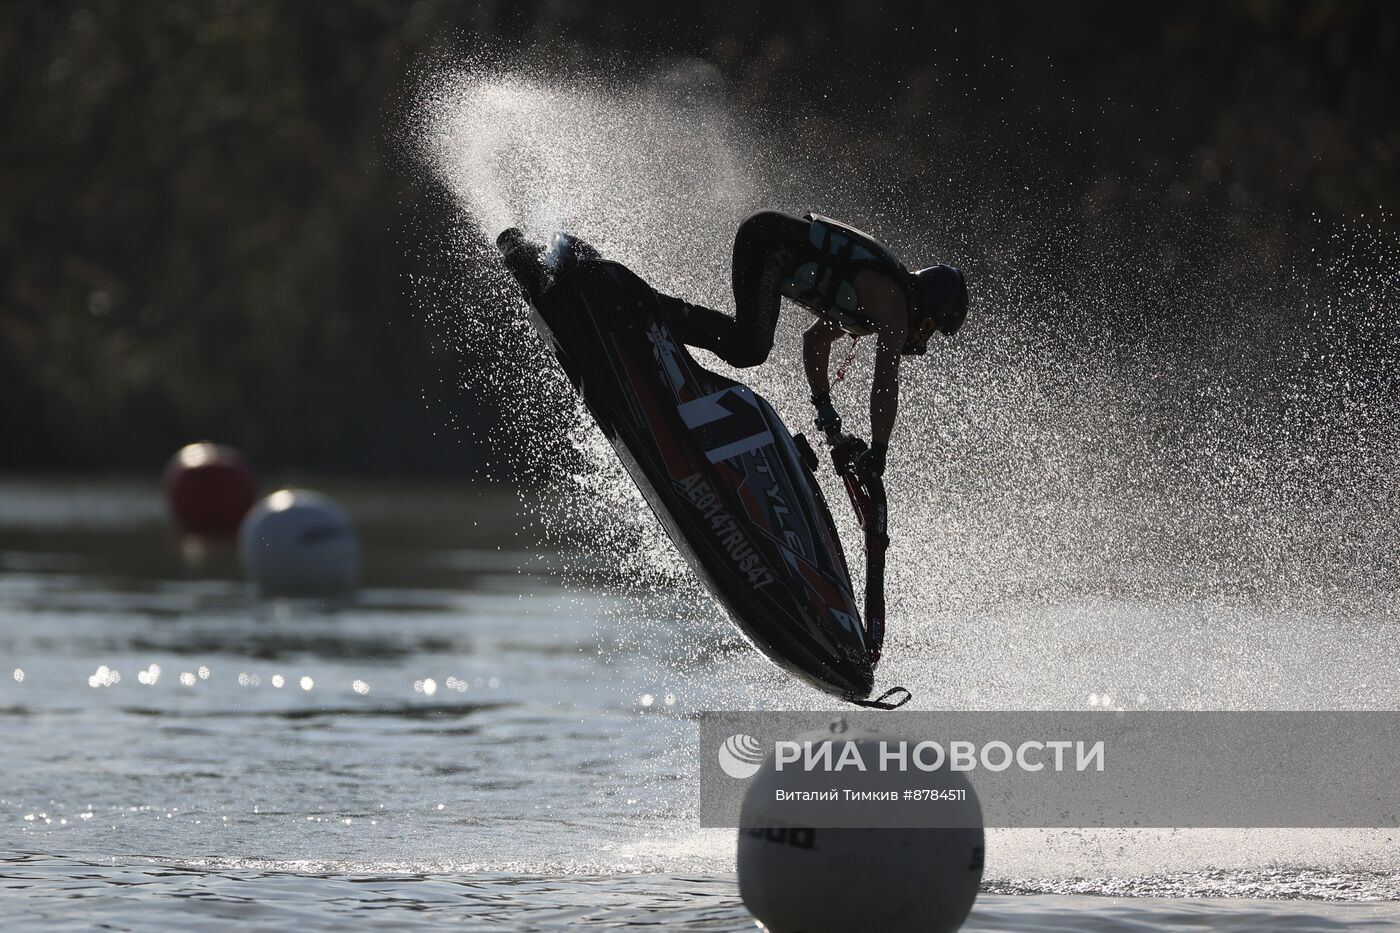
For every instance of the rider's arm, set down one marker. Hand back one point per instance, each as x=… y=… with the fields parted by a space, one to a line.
x=816 y=355
x=883 y=300
x=884 y=388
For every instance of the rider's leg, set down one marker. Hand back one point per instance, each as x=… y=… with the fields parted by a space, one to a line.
x=766 y=248
x=698 y=326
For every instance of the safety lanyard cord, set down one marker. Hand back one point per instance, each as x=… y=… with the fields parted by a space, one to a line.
x=846 y=364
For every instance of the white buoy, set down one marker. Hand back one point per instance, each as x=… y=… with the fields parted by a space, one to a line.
x=299 y=543
x=800 y=880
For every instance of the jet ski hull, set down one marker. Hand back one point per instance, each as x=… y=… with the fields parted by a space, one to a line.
x=720 y=470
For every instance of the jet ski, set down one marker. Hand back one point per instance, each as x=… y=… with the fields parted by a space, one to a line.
x=734 y=489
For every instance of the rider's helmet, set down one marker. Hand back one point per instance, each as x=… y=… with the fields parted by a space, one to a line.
x=940 y=304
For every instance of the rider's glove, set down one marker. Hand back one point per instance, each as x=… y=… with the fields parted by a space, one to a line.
x=872 y=462
x=827 y=418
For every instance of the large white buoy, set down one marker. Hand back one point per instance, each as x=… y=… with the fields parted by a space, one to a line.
x=802 y=880
x=299 y=543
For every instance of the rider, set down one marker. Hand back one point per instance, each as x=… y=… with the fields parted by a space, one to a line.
x=852 y=283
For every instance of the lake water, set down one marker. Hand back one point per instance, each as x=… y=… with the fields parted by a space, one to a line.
x=483 y=741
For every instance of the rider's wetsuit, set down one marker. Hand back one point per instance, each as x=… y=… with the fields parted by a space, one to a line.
x=813 y=260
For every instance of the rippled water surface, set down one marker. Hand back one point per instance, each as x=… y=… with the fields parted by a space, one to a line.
x=479 y=741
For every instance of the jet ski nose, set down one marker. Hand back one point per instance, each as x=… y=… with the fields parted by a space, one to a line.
x=523 y=260
x=567 y=251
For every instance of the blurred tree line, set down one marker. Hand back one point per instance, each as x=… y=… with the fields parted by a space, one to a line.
x=208 y=213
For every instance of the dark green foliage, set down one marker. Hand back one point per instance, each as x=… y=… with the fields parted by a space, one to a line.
x=207 y=214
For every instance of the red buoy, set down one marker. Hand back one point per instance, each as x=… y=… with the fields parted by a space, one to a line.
x=209 y=488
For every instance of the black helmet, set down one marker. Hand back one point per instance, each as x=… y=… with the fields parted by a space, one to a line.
x=940 y=296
